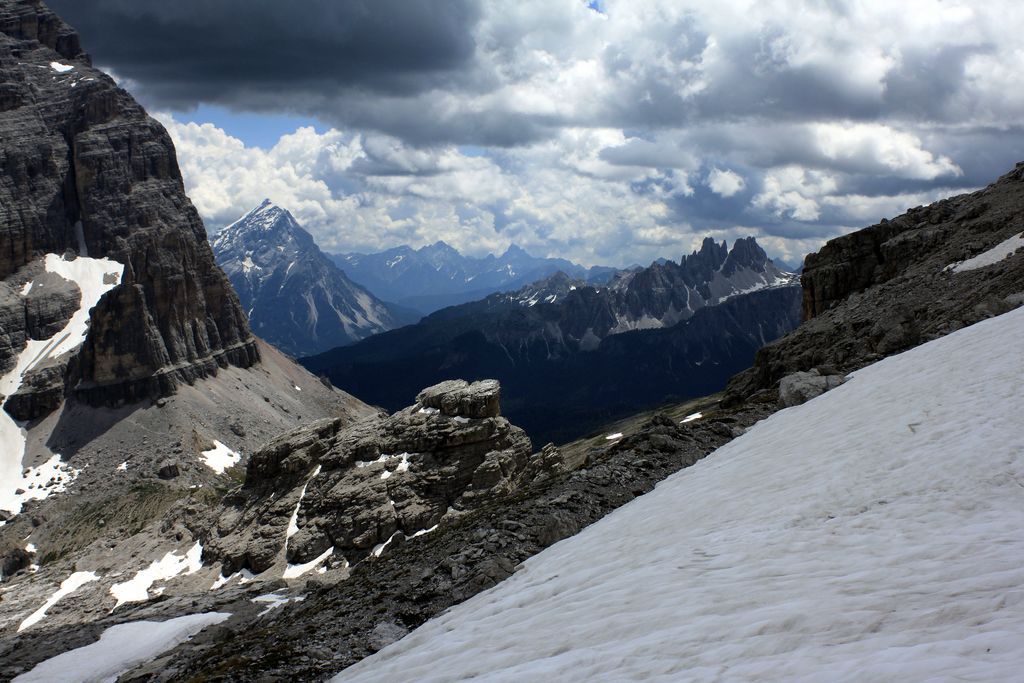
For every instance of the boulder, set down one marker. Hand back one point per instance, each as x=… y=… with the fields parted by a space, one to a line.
x=459 y=398
x=168 y=470
x=801 y=387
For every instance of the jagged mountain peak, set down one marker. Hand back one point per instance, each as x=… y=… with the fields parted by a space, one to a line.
x=439 y=246
x=296 y=297
x=515 y=251
x=746 y=252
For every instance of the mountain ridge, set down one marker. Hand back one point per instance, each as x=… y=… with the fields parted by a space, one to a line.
x=560 y=346
x=436 y=276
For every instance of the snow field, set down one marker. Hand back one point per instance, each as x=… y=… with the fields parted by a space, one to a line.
x=875 y=533
x=119 y=649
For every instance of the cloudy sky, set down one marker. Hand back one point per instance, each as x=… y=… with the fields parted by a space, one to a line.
x=610 y=131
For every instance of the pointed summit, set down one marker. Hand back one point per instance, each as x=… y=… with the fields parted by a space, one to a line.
x=746 y=252
x=515 y=251
x=296 y=298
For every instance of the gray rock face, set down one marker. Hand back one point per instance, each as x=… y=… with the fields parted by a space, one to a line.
x=457 y=398
x=40 y=393
x=888 y=288
x=49 y=305
x=801 y=387
x=86 y=169
x=360 y=488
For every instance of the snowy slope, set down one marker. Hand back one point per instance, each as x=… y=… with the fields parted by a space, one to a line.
x=875 y=533
x=94 y=277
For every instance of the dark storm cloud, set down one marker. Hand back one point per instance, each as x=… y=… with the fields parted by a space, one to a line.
x=181 y=52
x=926 y=82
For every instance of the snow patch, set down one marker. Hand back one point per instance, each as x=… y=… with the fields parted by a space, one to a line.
x=293 y=523
x=27 y=288
x=379 y=548
x=119 y=649
x=220 y=457
x=691 y=417
x=137 y=588
x=294 y=571
x=243 y=576
x=990 y=257
x=871 y=534
x=275 y=600
x=61 y=68
x=429 y=411
x=612 y=437
x=67 y=586
x=123 y=467
x=423 y=532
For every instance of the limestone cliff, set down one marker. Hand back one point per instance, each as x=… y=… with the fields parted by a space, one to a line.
x=84 y=168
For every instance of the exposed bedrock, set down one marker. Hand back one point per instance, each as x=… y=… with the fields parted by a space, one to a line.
x=383 y=479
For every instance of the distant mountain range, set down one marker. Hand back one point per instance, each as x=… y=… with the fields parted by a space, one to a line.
x=571 y=356
x=433 y=277
x=296 y=298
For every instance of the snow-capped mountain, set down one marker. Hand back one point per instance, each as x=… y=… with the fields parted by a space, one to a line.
x=873 y=533
x=437 y=275
x=296 y=298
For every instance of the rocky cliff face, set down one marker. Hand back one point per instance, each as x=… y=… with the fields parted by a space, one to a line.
x=902 y=282
x=325 y=493
x=86 y=170
x=296 y=298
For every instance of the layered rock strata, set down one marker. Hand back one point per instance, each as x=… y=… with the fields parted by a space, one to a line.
x=86 y=169
x=386 y=478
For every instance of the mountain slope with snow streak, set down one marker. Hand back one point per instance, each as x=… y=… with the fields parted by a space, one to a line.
x=874 y=533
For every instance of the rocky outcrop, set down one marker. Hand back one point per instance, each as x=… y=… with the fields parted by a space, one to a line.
x=377 y=482
x=881 y=252
x=86 y=169
x=889 y=287
x=339 y=623
x=40 y=393
x=458 y=397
